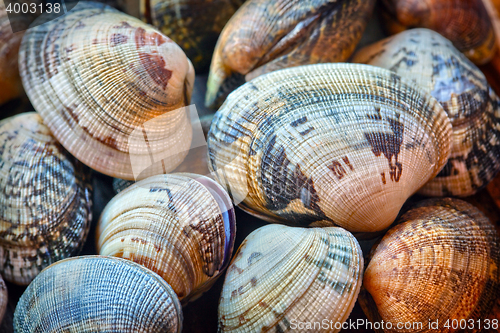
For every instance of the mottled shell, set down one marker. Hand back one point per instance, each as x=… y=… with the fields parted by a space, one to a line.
x=283 y=275
x=4 y=298
x=464 y=22
x=181 y=226
x=432 y=62
x=344 y=143
x=10 y=82
x=95 y=75
x=45 y=199
x=98 y=294
x=441 y=262
x=264 y=36
x=194 y=25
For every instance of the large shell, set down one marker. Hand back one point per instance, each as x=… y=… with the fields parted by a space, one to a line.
x=432 y=62
x=441 y=263
x=95 y=75
x=264 y=36
x=345 y=143
x=10 y=82
x=193 y=24
x=282 y=276
x=98 y=294
x=464 y=22
x=45 y=199
x=182 y=226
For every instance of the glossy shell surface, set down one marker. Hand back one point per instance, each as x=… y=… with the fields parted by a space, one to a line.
x=464 y=22
x=182 y=226
x=264 y=36
x=97 y=76
x=341 y=143
x=194 y=25
x=441 y=262
x=45 y=199
x=283 y=275
x=432 y=62
x=98 y=294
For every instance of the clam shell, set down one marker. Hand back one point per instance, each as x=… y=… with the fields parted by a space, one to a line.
x=284 y=275
x=441 y=262
x=464 y=22
x=10 y=82
x=194 y=25
x=98 y=77
x=98 y=294
x=181 y=226
x=432 y=62
x=45 y=199
x=341 y=143
x=264 y=36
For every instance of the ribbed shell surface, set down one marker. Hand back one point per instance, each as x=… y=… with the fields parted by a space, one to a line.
x=344 y=144
x=181 y=226
x=10 y=82
x=98 y=294
x=264 y=36
x=283 y=275
x=441 y=262
x=95 y=75
x=193 y=24
x=432 y=62
x=45 y=199
x=464 y=22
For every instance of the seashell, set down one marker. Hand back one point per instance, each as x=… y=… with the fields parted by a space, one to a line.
x=464 y=22
x=98 y=294
x=45 y=199
x=101 y=79
x=4 y=298
x=264 y=36
x=10 y=82
x=194 y=25
x=440 y=263
x=283 y=275
x=341 y=143
x=432 y=62
x=181 y=226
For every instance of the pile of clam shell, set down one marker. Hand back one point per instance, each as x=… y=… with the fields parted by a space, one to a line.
x=118 y=188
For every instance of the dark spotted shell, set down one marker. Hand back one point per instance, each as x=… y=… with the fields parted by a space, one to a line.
x=193 y=24
x=440 y=262
x=264 y=36
x=181 y=226
x=98 y=294
x=432 y=62
x=98 y=77
x=45 y=199
x=283 y=275
x=345 y=144
x=465 y=23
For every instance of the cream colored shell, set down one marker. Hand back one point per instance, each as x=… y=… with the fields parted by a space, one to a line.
x=95 y=75
x=344 y=144
x=432 y=62
x=440 y=263
x=282 y=276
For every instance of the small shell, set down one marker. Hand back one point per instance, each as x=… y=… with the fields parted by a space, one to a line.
x=193 y=24
x=45 y=199
x=98 y=294
x=283 y=275
x=432 y=62
x=264 y=36
x=4 y=298
x=464 y=22
x=181 y=226
x=344 y=143
x=442 y=262
x=10 y=82
x=97 y=76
